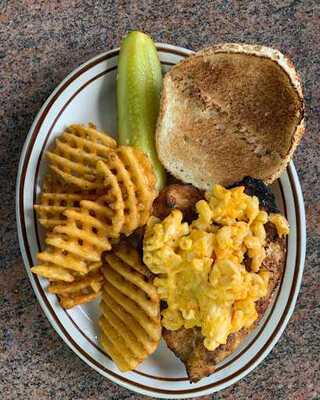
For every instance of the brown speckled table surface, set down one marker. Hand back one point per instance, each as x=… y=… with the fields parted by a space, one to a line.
x=41 y=42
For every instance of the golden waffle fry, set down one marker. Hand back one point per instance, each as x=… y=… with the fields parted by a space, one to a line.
x=76 y=245
x=91 y=134
x=118 y=184
x=130 y=305
x=82 y=235
x=52 y=272
x=58 y=264
x=130 y=184
x=53 y=183
x=79 y=291
x=93 y=267
x=109 y=207
x=73 y=248
x=76 y=153
x=129 y=255
x=95 y=192
x=131 y=212
x=52 y=206
x=139 y=167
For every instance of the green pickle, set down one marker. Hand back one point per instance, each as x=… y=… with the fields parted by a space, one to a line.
x=139 y=82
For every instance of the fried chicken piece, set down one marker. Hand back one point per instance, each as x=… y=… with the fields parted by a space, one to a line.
x=181 y=196
x=187 y=344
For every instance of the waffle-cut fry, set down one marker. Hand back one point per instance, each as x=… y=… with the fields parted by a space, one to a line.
x=74 y=249
x=129 y=255
x=130 y=308
x=76 y=245
x=53 y=183
x=72 y=172
x=69 y=302
x=91 y=134
x=121 y=276
x=79 y=291
x=131 y=189
x=110 y=207
x=93 y=267
x=115 y=354
x=53 y=273
x=148 y=169
x=94 y=192
x=114 y=165
x=92 y=282
x=82 y=235
x=124 y=341
x=143 y=334
x=110 y=322
x=142 y=176
x=52 y=206
x=76 y=154
x=61 y=258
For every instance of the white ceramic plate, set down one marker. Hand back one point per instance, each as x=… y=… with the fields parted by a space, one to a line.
x=88 y=94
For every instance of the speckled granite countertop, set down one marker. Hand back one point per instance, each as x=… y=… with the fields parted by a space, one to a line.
x=41 y=42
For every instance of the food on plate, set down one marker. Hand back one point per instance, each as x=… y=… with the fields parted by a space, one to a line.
x=76 y=153
x=130 y=190
x=73 y=246
x=230 y=111
x=198 y=262
x=182 y=197
x=255 y=187
x=188 y=345
x=81 y=290
x=139 y=82
x=141 y=174
x=53 y=183
x=82 y=225
x=86 y=231
x=130 y=306
x=51 y=207
x=215 y=274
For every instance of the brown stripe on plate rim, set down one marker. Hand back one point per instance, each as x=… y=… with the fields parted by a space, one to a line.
x=222 y=367
x=48 y=305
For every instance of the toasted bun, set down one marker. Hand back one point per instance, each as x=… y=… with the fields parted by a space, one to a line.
x=230 y=111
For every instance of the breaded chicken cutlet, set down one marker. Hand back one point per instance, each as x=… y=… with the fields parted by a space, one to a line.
x=187 y=344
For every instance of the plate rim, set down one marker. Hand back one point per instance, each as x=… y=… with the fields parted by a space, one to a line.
x=296 y=191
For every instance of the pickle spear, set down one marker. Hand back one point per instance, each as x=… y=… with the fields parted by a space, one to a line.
x=139 y=82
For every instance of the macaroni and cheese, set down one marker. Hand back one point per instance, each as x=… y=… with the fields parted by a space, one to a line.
x=200 y=267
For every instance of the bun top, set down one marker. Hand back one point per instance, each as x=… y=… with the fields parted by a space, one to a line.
x=230 y=111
